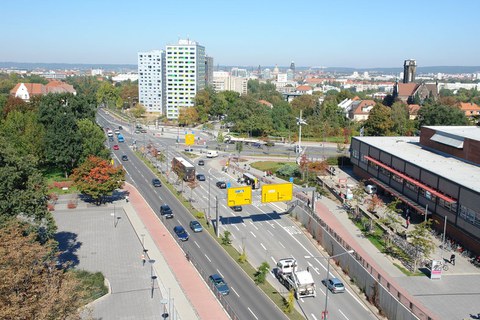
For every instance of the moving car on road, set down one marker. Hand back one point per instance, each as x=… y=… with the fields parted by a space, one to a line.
x=221 y=184
x=219 y=284
x=236 y=208
x=181 y=233
x=334 y=285
x=156 y=182
x=166 y=211
x=196 y=226
x=201 y=162
x=124 y=157
x=116 y=147
x=200 y=177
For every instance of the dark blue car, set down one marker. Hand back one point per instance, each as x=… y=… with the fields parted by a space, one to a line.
x=219 y=284
x=181 y=233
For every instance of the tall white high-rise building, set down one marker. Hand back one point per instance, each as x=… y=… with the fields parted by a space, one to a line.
x=151 y=82
x=185 y=75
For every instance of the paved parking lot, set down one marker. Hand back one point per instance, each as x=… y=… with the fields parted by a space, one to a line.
x=95 y=244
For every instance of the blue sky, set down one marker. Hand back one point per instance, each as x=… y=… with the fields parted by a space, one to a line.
x=346 y=33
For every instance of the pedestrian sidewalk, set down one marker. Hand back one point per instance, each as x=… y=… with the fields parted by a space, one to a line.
x=179 y=279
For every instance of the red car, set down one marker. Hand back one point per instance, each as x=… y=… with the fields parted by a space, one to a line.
x=116 y=147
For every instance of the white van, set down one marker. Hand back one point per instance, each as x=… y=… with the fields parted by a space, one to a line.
x=370 y=189
x=212 y=154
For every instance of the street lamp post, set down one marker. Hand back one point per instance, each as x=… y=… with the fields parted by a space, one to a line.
x=325 y=310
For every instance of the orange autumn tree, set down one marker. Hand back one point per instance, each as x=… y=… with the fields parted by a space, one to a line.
x=97 y=178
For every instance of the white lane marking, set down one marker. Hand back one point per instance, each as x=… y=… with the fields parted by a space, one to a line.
x=253 y=224
x=196 y=244
x=236 y=227
x=313 y=316
x=343 y=314
x=273 y=259
x=281 y=244
x=271 y=225
x=208 y=258
x=263 y=246
x=220 y=273
x=244 y=224
x=314 y=268
x=235 y=292
x=270 y=233
x=301 y=299
x=252 y=313
x=253 y=234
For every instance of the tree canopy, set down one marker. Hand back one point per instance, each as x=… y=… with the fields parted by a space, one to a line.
x=97 y=177
x=32 y=286
x=441 y=115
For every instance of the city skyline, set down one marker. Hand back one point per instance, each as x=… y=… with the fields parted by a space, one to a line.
x=346 y=34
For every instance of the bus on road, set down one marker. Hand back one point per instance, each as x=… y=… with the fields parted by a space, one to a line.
x=183 y=169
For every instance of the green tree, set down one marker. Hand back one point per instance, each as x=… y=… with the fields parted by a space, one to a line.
x=107 y=94
x=400 y=118
x=421 y=238
x=92 y=139
x=441 y=115
x=97 y=177
x=32 y=286
x=226 y=241
x=24 y=133
x=239 y=148
x=261 y=274
x=138 y=111
x=23 y=190
x=379 y=122
x=289 y=303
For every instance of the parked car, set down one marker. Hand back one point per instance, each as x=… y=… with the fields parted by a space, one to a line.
x=196 y=226
x=200 y=177
x=143 y=130
x=236 y=208
x=189 y=149
x=201 y=162
x=257 y=145
x=156 y=182
x=334 y=285
x=219 y=284
x=116 y=147
x=370 y=189
x=221 y=184
x=137 y=131
x=124 y=157
x=120 y=128
x=181 y=233
x=166 y=211
x=110 y=139
x=117 y=132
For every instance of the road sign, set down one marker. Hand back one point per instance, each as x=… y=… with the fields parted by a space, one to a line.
x=239 y=196
x=189 y=139
x=290 y=179
x=277 y=192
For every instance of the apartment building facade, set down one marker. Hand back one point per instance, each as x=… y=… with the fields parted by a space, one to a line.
x=151 y=81
x=184 y=75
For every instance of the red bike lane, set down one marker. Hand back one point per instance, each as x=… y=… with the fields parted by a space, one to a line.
x=193 y=286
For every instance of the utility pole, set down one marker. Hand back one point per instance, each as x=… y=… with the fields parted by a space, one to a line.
x=216 y=217
x=300 y=122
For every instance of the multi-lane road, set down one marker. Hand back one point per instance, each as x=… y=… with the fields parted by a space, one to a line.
x=266 y=234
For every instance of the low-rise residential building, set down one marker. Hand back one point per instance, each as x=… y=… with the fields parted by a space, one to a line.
x=26 y=91
x=471 y=109
x=361 y=110
x=304 y=90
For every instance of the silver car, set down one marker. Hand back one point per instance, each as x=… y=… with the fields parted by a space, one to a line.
x=334 y=285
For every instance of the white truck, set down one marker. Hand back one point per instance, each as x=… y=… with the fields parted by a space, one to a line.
x=212 y=154
x=301 y=281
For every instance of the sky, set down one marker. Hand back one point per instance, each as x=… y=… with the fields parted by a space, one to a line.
x=335 y=33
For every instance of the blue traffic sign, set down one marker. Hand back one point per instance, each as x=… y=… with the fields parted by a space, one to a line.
x=229 y=184
x=291 y=179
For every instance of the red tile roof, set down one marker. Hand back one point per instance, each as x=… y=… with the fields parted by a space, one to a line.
x=362 y=105
x=469 y=106
x=304 y=88
x=407 y=89
x=266 y=103
x=413 y=109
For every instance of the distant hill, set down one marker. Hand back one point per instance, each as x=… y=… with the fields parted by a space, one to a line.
x=133 y=67
x=68 y=66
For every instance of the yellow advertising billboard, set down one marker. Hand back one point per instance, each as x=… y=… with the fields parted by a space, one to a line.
x=190 y=139
x=277 y=192
x=239 y=196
